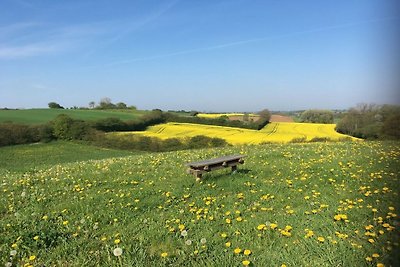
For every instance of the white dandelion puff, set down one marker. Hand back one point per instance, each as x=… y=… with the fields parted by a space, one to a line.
x=117 y=252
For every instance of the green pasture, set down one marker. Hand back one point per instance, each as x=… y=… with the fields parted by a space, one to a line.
x=37 y=116
x=318 y=204
x=30 y=157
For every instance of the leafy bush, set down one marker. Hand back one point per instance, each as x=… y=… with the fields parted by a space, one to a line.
x=66 y=128
x=14 y=134
x=154 y=144
x=317 y=116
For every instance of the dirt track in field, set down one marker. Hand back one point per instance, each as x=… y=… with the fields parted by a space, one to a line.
x=280 y=118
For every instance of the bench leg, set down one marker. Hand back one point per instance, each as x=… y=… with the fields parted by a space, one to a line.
x=198 y=175
x=234 y=168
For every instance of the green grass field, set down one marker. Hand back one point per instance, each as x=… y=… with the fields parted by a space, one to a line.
x=37 y=116
x=37 y=156
x=319 y=204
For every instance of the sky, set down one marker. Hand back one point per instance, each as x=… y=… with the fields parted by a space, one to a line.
x=204 y=55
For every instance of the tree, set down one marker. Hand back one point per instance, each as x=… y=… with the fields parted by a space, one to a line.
x=105 y=103
x=55 y=105
x=246 y=117
x=317 y=116
x=265 y=115
x=66 y=128
x=92 y=104
x=371 y=121
x=121 y=105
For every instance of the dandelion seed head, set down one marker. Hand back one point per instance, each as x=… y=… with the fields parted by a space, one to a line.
x=117 y=252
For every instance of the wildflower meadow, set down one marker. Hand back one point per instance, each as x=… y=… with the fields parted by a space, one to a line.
x=313 y=204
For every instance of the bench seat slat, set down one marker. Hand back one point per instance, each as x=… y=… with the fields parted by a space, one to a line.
x=203 y=163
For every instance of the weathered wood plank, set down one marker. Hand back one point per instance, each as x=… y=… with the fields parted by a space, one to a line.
x=199 y=167
x=203 y=163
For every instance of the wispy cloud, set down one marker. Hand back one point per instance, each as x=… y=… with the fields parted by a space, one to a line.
x=247 y=41
x=12 y=52
x=30 y=39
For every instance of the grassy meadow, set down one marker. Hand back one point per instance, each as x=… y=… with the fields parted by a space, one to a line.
x=40 y=155
x=315 y=204
x=275 y=132
x=37 y=116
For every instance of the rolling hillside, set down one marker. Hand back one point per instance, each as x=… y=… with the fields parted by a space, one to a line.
x=37 y=116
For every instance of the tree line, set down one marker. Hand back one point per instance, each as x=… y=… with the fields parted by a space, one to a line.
x=104 y=103
x=64 y=127
x=370 y=121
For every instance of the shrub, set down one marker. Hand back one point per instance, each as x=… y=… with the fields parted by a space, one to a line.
x=317 y=116
x=66 y=128
x=55 y=105
x=14 y=134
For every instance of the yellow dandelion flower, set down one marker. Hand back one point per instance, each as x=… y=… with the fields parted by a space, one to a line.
x=227 y=220
x=246 y=262
x=380 y=264
x=369 y=227
x=32 y=257
x=36 y=238
x=164 y=254
x=369 y=259
x=224 y=235
x=117 y=241
x=273 y=226
x=371 y=240
x=309 y=234
x=237 y=250
x=321 y=239
x=14 y=245
x=228 y=244
x=375 y=255
x=261 y=227
x=247 y=252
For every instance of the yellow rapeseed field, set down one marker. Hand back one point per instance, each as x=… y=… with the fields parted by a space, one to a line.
x=274 y=132
x=217 y=115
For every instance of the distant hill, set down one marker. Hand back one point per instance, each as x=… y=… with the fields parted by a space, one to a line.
x=37 y=116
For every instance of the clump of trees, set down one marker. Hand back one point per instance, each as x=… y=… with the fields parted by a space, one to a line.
x=105 y=103
x=317 y=116
x=55 y=105
x=370 y=121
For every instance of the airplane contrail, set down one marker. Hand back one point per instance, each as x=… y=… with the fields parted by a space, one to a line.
x=247 y=41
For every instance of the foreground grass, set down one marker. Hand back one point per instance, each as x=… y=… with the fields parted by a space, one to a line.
x=315 y=204
x=275 y=132
x=36 y=156
x=37 y=116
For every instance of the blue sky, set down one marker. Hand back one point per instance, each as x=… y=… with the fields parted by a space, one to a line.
x=206 y=55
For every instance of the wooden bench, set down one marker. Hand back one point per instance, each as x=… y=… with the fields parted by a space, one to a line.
x=199 y=167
